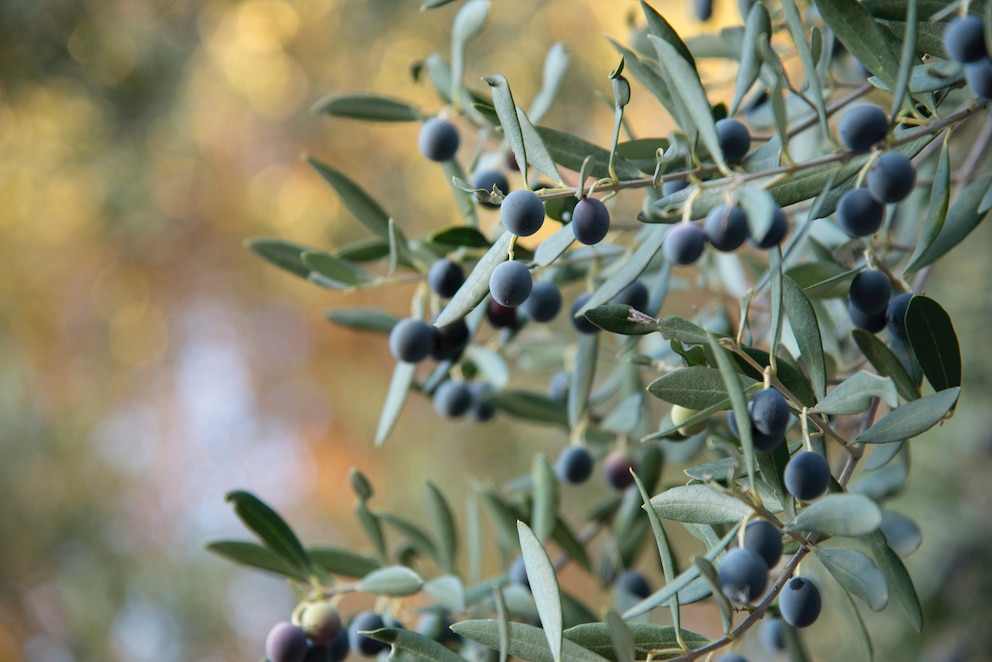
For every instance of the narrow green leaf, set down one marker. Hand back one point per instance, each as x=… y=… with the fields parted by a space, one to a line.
x=963 y=216
x=859 y=623
x=526 y=642
x=649 y=74
x=569 y=151
x=682 y=330
x=529 y=406
x=335 y=268
x=812 y=275
x=622 y=319
x=363 y=319
x=812 y=82
x=664 y=547
x=459 y=236
x=414 y=533
x=504 y=623
x=395 y=580
x=633 y=267
x=555 y=67
x=906 y=60
x=503 y=518
x=448 y=591
x=911 y=419
x=854 y=394
x=372 y=527
x=802 y=317
x=431 y=4
x=506 y=109
x=544 y=511
x=699 y=503
x=660 y=639
x=840 y=515
x=709 y=573
x=758 y=22
x=270 y=528
x=658 y=26
x=358 y=202
x=932 y=337
x=901 y=588
x=736 y=393
x=468 y=23
x=415 y=647
x=887 y=364
x=255 y=556
x=570 y=543
x=696 y=387
x=368 y=107
x=544 y=586
x=399 y=387
x=283 y=254
x=940 y=195
x=902 y=534
x=857 y=574
x=933 y=76
x=857 y=29
x=370 y=249
x=623 y=640
x=476 y=285
x=683 y=80
x=682 y=582
x=583 y=374
x=554 y=246
x=537 y=151
x=337 y=561
x=443 y=524
x=465 y=200
x=788 y=373
x=777 y=304
x=882 y=454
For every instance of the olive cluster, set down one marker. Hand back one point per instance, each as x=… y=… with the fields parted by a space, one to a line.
x=317 y=634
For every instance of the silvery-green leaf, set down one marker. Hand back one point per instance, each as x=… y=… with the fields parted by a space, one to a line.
x=368 y=107
x=911 y=419
x=857 y=574
x=526 y=642
x=555 y=66
x=359 y=319
x=902 y=534
x=696 y=387
x=448 y=591
x=647 y=637
x=544 y=587
x=887 y=363
x=804 y=324
x=270 y=528
x=688 y=91
x=253 y=555
x=413 y=646
x=399 y=387
x=840 y=515
x=699 y=503
x=443 y=524
x=854 y=394
x=476 y=285
x=395 y=580
x=901 y=588
x=934 y=342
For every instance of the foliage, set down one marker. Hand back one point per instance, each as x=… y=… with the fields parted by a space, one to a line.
x=846 y=394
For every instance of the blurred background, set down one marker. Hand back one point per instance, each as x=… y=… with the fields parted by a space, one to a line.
x=149 y=363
